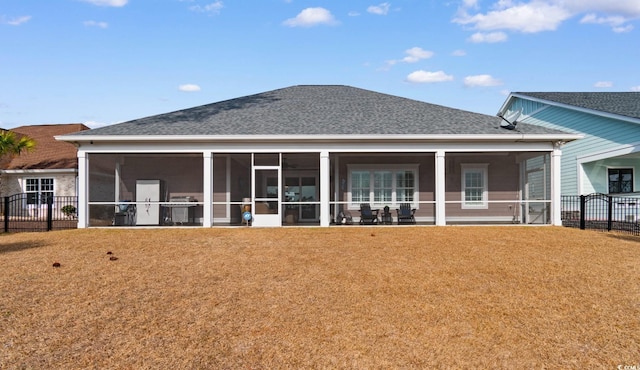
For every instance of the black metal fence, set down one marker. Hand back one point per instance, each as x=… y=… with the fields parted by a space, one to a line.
x=21 y=213
x=602 y=212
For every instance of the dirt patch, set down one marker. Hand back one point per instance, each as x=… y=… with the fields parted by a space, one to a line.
x=342 y=297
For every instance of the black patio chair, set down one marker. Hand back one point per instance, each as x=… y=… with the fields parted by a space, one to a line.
x=367 y=215
x=406 y=214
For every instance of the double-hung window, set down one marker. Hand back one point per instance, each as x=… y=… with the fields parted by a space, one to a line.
x=620 y=180
x=383 y=185
x=38 y=190
x=474 y=186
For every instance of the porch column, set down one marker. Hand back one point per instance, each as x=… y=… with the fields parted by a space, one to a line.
x=207 y=213
x=325 y=189
x=440 y=189
x=556 y=188
x=83 y=196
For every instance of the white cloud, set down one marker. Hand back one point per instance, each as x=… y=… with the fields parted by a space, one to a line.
x=422 y=76
x=603 y=84
x=491 y=37
x=96 y=24
x=114 y=3
x=415 y=54
x=15 y=21
x=94 y=124
x=213 y=8
x=459 y=53
x=481 y=80
x=635 y=88
x=310 y=17
x=381 y=9
x=622 y=29
x=617 y=23
x=535 y=16
x=189 y=88
x=353 y=14
x=531 y=16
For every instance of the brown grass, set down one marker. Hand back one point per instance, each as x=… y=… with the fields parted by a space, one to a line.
x=341 y=297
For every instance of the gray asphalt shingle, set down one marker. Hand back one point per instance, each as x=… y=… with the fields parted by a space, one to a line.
x=622 y=103
x=316 y=110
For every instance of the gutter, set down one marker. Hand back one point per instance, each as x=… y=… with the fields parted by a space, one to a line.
x=89 y=139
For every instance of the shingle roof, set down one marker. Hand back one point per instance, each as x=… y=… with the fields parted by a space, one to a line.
x=316 y=110
x=621 y=103
x=48 y=153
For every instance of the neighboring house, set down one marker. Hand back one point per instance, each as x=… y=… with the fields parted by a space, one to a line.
x=306 y=154
x=50 y=169
x=607 y=158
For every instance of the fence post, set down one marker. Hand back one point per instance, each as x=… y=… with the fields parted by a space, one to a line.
x=49 y=213
x=6 y=214
x=583 y=200
x=609 y=212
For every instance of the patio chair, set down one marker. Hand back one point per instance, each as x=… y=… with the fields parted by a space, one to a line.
x=406 y=214
x=367 y=215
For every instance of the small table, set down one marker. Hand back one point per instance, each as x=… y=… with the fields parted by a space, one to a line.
x=386 y=217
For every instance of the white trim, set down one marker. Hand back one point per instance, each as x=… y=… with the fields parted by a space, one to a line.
x=207 y=177
x=39 y=172
x=83 y=193
x=325 y=189
x=93 y=139
x=609 y=153
x=440 y=188
x=480 y=219
x=309 y=147
x=483 y=168
x=556 y=186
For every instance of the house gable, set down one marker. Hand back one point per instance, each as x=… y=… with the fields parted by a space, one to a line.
x=608 y=122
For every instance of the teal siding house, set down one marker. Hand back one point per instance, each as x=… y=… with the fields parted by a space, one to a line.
x=607 y=158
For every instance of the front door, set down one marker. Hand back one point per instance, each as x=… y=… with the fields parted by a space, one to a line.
x=266 y=196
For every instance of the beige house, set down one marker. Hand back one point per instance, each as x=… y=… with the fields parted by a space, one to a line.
x=51 y=169
x=307 y=155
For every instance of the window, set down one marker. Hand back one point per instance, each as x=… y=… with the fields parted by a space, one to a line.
x=38 y=190
x=382 y=186
x=620 y=180
x=474 y=186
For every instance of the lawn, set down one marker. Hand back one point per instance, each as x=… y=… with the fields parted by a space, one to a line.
x=340 y=297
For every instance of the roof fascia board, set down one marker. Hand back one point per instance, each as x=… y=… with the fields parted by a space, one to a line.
x=361 y=147
x=39 y=171
x=572 y=107
x=319 y=138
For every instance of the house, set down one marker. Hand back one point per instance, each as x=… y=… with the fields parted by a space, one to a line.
x=303 y=155
x=50 y=169
x=607 y=159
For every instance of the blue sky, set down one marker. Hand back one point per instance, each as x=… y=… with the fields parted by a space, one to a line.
x=101 y=62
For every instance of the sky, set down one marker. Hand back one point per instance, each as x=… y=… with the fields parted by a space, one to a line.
x=102 y=62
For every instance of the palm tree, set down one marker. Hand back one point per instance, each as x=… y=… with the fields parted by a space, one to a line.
x=13 y=145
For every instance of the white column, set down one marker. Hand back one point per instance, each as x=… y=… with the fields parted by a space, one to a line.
x=556 y=188
x=440 y=188
x=207 y=214
x=83 y=195
x=325 y=190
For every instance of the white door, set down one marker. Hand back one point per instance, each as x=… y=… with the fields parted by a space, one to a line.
x=266 y=196
x=147 y=198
